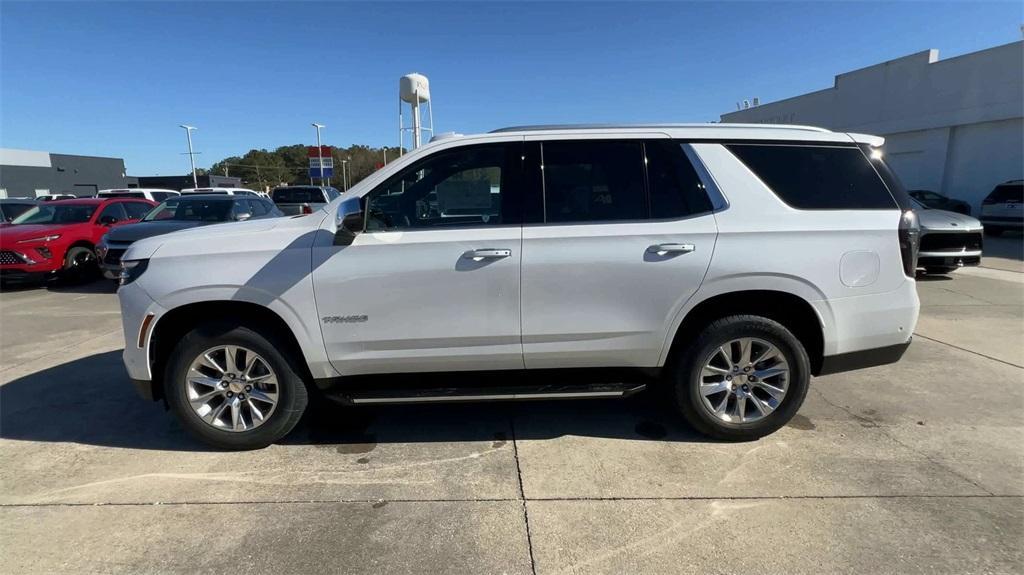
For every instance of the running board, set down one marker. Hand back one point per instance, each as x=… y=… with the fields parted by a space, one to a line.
x=523 y=393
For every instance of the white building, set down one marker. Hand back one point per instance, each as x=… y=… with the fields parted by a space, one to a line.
x=953 y=126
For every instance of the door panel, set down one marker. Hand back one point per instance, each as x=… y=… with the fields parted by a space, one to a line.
x=419 y=301
x=600 y=295
x=627 y=236
x=432 y=284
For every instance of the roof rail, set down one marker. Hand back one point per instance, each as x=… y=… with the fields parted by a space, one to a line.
x=540 y=127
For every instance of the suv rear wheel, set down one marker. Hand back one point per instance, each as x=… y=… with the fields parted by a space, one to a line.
x=742 y=378
x=231 y=387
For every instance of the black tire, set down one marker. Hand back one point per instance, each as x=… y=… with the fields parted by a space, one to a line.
x=686 y=376
x=292 y=393
x=939 y=270
x=993 y=231
x=79 y=264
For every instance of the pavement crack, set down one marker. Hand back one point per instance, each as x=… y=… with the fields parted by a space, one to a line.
x=522 y=494
x=556 y=499
x=873 y=424
x=1003 y=361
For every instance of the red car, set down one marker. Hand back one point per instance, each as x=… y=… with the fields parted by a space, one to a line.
x=59 y=238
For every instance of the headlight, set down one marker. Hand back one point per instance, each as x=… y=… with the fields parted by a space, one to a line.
x=101 y=249
x=131 y=270
x=40 y=239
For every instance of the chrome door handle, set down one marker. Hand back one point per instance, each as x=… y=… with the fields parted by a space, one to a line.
x=662 y=249
x=488 y=254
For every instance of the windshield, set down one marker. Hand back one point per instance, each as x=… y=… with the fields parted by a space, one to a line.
x=57 y=214
x=192 y=210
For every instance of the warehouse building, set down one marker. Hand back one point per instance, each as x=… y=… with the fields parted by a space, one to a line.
x=29 y=173
x=953 y=126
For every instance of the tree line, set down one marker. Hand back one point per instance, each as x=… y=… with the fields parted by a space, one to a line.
x=262 y=169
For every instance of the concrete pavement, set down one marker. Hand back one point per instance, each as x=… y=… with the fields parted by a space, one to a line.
x=911 y=468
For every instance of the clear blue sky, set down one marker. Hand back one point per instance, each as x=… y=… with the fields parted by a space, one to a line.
x=116 y=79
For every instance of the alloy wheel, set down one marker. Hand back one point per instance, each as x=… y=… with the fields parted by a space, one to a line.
x=232 y=388
x=744 y=380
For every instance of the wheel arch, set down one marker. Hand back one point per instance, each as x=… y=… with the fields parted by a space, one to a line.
x=790 y=310
x=173 y=324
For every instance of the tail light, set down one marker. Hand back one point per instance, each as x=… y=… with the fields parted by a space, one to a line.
x=910 y=241
x=988 y=201
x=307 y=209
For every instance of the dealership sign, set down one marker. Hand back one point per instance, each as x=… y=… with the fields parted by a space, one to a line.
x=315 y=159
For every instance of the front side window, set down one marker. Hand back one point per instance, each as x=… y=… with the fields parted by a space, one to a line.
x=593 y=181
x=817 y=177
x=136 y=210
x=466 y=186
x=113 y=213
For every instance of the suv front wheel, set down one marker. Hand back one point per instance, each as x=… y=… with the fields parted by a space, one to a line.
x=231 y=387
x=742 y=378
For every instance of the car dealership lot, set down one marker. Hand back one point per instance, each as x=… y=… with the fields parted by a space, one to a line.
x=915 y=467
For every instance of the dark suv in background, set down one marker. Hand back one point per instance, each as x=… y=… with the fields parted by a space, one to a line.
x=296 y=200
x=180 y=213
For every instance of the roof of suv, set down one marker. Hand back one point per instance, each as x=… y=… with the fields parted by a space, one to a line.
x=708 y=131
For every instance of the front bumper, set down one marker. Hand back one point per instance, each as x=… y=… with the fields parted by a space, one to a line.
x=949 y=259
x=136 y=305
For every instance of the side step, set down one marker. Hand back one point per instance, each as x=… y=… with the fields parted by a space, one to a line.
x=464 y=394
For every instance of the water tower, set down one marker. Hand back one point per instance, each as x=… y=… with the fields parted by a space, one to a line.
x=414 y=89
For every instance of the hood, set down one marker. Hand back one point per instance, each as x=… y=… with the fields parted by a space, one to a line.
x=145 y=248
x=18 y=232
x=943 y=220
x=136 y=232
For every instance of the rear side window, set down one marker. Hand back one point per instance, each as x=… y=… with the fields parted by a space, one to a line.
x=593 y=181
x=675 y=189
x=298 y=195
x=817 y=177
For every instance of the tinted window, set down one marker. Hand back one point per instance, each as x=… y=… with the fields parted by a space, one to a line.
x=136 y=210
x=56 y=214
x=258 y=208
x=192 y=209
x=1008 y=193
x=297 y=195
x=817 y=178
x=159 y=196
x=674 y=187
x=115 y=211
x=464 y=186
x=593 y=181
x=13 y=210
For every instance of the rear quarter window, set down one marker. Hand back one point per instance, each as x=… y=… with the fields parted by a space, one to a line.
x=817 y=177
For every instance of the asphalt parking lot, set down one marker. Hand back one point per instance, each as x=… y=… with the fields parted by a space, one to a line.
x=912 y=468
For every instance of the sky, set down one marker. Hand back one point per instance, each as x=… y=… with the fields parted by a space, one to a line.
x=117 y=79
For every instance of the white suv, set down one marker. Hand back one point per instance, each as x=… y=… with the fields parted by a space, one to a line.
x=725 y=264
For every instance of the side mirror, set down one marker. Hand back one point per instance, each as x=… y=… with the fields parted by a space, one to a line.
x=349 y=221
x=242 y=216
x=108 y=220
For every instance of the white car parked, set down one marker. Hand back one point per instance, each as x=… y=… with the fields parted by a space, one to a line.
x=224 y=191
x=726 y=264
x=152 y=194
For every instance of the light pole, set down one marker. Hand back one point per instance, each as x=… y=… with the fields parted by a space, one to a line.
x=319 y=150
x=191 y=156
x=344 y=175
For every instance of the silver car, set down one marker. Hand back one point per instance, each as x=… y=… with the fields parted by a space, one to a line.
x=948 y=240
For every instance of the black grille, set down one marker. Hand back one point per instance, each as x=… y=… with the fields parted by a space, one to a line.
x=9 y=257
x=951 y=242
x=113 y=256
